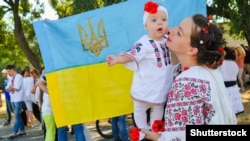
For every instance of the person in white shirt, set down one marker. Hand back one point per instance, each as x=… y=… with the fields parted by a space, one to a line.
x=28 y=84
x=17 y=97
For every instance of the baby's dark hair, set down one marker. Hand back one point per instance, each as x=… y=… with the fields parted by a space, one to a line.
x=207 y=37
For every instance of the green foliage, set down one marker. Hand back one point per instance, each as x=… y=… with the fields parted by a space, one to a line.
x=2 y=12
x=10 y=52
x=25 y=6
x=18 y=45
x=236 y=13
x=66 y=8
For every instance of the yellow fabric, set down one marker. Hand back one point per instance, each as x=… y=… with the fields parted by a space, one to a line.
x=88 y=93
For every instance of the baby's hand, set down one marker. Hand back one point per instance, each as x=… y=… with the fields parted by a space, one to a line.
x=111 y=60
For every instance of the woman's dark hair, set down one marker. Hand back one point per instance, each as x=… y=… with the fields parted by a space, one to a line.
x=207 y=37
x=230 y=53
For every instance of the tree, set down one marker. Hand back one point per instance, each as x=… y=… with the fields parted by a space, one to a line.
x=23 y=15
x=10 y=51
x=236 y=13
x=66 y=8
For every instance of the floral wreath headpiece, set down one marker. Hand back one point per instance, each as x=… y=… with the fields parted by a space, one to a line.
x=152 y=8
x=205 y=29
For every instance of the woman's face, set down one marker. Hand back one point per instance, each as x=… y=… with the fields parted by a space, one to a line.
x=179 y=37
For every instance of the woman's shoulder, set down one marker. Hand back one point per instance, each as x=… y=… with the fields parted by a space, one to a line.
x=198 y=73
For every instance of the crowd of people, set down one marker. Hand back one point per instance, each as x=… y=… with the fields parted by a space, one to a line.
x=203 y=87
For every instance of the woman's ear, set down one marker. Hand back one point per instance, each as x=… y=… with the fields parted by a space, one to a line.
x=192 y=51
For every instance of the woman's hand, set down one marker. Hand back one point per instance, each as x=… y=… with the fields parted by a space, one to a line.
x=151 y=135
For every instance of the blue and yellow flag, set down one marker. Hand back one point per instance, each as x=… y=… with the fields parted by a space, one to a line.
x=82 y=87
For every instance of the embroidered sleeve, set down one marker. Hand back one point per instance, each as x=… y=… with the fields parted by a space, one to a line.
x=189 y=103
x=137 y=53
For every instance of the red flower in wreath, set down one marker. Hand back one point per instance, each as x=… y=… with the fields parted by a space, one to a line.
x=205 y=30
x=151 y=7
x=221 y=49
x=209 y=17
x=158 y=126
x=134 y=134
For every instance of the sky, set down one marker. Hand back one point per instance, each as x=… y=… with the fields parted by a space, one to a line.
x=49 y=11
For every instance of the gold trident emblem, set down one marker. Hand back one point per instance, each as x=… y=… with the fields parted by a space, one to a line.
x=93 y=44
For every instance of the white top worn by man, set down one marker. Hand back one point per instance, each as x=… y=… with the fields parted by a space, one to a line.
x=17 y=96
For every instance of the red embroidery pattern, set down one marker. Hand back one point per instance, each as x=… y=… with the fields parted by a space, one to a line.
x=189 y=102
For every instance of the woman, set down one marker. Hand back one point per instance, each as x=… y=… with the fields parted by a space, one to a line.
x=198 y=95
x=28 y=83
x=229 y=71
x=240 y=57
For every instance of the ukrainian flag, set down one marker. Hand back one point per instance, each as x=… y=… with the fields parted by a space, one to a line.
x=74 y=49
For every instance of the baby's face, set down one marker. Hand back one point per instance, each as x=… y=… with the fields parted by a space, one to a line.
x=157 y=25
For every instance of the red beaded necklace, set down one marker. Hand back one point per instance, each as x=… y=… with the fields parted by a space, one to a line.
x=185 y=68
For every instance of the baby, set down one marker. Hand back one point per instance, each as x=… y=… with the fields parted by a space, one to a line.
x=151 y=62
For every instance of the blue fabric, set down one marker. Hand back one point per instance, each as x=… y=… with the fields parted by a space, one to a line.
x=78 y=131
x=119 y=129
x=9 y=109
x=101 y=30
x=62 y=133
x=18 y=125
x=6 y=93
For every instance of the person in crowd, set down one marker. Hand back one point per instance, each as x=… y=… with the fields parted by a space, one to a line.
x=78 y=132
x=229 y=71
x=1 y=104
x=36 y=93
x=36 y=75
x=28 y=83
x=198 y=95
x=9 y=109
x=240 y=57
x=119 y=129
x=151 y=62
x=17 y=97
x=46 y=109
x=246 y=74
